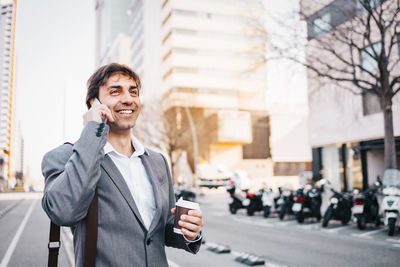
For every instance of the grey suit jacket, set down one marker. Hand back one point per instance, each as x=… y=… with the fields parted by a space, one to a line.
x=73 y=172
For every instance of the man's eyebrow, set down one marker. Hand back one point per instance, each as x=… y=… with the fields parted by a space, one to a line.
x=114 y=86
x=119 y=86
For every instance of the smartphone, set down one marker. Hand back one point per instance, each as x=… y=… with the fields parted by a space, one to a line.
x=97 y=102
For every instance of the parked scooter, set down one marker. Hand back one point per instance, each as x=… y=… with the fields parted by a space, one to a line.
x=339 y=208
x=284 y=203
x=237 y=200
x=185 y=194
x=255 y=204
x=366 y=207
x=391 y=201
x=181 y=190
x=307 y=204
x=268 y=201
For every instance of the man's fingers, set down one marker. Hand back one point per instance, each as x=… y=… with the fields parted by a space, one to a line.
x=108 y=116
x=197 y=213
x=192 y=219
x=188 y=234
x=190 y=226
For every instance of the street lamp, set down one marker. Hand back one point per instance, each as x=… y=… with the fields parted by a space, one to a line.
x=195 y=146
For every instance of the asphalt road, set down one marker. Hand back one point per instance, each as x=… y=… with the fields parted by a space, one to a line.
x=24 y=235
x=24 y=231
x=287 y=243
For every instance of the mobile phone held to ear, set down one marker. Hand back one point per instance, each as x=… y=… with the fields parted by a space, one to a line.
x=97 y=102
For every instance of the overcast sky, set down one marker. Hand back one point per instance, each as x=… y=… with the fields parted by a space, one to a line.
x=54 y=50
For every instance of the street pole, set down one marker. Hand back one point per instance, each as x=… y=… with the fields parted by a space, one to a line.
x=195 y=146
x=64 y=115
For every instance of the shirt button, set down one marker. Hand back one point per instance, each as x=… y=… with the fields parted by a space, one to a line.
x=148 y=241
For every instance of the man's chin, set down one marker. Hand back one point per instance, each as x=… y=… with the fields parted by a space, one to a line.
x=121 y=127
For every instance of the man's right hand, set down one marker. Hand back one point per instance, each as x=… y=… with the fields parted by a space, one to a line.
x=96 y=112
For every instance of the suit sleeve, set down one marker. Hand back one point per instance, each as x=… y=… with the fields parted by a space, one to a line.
x=171 y=238
x=71 y=174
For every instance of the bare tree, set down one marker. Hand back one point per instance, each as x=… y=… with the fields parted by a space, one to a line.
x=159 y=130
x=354 y=43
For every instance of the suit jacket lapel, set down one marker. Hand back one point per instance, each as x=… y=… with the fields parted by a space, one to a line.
x=113 y=172
x=156 y=187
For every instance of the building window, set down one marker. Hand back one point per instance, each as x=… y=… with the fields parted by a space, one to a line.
x=371 y=104
x=370 y=57
x=259 y=148
x=322 y=24
x=290 y=168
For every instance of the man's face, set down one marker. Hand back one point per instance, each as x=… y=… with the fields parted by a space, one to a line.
x=121 y=95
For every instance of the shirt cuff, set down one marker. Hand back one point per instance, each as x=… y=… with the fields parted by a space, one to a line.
x=187 y=241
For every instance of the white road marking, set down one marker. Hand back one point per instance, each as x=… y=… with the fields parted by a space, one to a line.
x=335 y=230
x=369 y=233
x=172 y=264
x=308 y=226
x=393 y=240
x=396 y=245
x=253 y=222
x=285 y=223
x=14 y=241
x=67 y=242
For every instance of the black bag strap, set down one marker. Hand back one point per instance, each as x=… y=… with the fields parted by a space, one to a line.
x=91 y=232
x=90 y=241
x=91 y=236
x=54 y=244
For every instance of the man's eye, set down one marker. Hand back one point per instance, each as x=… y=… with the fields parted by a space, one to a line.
x=134 y=92
x=114 y=92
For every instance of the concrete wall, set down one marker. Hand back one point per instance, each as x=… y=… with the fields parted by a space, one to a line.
x=330 y=163
x=376 y=165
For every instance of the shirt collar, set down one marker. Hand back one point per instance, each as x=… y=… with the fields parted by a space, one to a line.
x=137 y=145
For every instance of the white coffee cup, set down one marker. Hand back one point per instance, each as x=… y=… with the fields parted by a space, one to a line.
x=183 y=207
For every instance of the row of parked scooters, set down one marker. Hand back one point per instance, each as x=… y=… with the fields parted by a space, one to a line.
x=306 y=203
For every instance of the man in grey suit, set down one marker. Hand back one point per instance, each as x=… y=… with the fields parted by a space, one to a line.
x=135 y=191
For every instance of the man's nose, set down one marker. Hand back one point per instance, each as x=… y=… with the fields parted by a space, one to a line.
x=127 y=97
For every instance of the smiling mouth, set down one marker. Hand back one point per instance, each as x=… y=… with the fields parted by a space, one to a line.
x=125 y=111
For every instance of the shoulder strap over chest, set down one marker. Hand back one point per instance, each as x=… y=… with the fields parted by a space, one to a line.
x=90 y=237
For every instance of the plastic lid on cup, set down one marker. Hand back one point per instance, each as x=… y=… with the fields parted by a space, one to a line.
x=187 y=204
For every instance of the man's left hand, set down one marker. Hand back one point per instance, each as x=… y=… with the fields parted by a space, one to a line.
x=191 y=224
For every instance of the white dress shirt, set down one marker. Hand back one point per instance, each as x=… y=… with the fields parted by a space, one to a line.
x=136 y=178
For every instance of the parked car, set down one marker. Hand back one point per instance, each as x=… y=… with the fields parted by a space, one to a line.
x=213 y=176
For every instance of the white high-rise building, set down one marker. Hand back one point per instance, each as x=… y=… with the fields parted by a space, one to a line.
x=7 y=34
x=205 y=61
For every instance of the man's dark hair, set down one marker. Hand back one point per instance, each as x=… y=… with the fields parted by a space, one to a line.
x=101 y=76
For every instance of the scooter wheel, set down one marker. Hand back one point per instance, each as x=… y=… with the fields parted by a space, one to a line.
x=300 y=217
x=361 y=222
x=327 y=217
x=232 y=210
x=378 y=221
x=282 y=212
x=250 y=212
x=346 y=218
x=266 y=211
x=391 y=224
